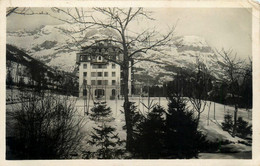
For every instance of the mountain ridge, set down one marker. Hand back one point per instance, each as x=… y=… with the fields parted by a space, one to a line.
x=51 y=46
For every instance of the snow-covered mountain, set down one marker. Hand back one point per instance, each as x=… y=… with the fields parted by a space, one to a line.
x=184 y=54
x=50 y=45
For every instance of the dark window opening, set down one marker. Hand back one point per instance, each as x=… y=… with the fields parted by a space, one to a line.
x=113 y=92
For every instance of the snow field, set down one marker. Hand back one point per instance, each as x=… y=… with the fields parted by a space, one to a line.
x=213 y=130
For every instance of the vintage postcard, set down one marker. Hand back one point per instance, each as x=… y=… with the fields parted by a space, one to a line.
x=130 y=83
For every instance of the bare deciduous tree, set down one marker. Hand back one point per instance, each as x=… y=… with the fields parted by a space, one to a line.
x=232 y=67
x=118 y=22
x=199 y=87
x=44 y=127
x=22 y=11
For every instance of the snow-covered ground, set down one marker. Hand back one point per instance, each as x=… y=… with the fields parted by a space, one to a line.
x=212 y=130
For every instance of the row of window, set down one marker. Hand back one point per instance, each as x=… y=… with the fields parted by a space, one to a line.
x=99 y=66
x=101 y=92
x=100 y=82
x=85 y=66
x=85 y=58
x=99 y=74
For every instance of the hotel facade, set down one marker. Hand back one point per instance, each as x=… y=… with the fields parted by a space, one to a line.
x=99 y=77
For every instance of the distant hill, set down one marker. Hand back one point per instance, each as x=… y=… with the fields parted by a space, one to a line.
x=23 y=70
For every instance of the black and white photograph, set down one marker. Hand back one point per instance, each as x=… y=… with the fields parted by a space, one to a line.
x=129 y=83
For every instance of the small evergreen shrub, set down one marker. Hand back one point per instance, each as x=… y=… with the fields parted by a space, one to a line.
x=243 y=128
x=227 y=125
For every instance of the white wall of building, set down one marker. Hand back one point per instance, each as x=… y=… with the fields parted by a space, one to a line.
x=108 y=88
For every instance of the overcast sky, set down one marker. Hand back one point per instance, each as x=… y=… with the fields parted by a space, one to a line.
x=221 y=27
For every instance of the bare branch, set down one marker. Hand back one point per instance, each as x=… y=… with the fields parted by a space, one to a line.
x=10 y=11
x=156 y=44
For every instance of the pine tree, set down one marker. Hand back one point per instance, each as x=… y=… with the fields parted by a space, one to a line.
x=183 y=140
x=101 y=113
x=149 y=139
x=104 y=136
x=135 y=117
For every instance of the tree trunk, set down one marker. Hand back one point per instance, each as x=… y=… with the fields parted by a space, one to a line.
x=198 y=120
x=129 y=128
x=214 y=111
x=235 y=116
x=208 y=112
x=235 y=121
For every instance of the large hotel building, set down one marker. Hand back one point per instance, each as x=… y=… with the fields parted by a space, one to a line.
x=99 y=77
